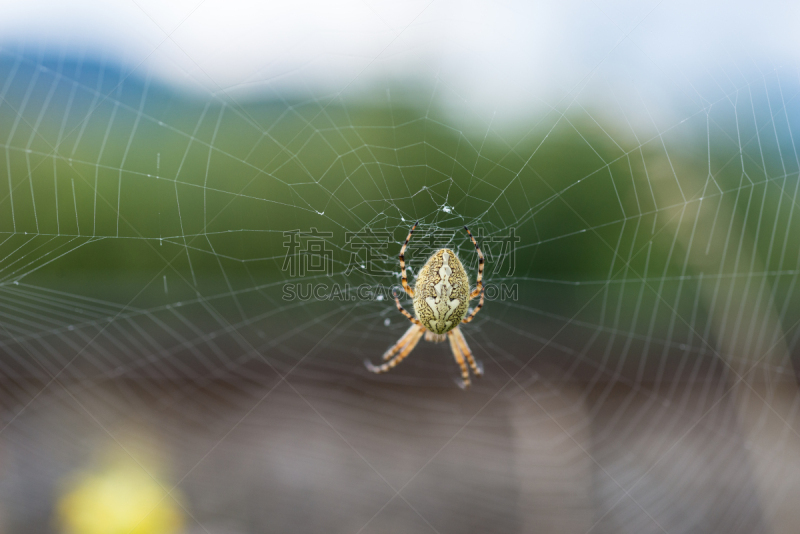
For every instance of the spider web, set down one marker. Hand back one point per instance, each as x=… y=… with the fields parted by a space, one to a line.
x=639 y=349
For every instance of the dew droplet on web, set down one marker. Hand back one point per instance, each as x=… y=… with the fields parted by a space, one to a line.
x=387 y=322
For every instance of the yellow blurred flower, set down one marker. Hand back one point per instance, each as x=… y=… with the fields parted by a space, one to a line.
x=119 y=500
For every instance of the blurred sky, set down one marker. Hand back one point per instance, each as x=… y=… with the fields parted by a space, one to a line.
x=498 y=55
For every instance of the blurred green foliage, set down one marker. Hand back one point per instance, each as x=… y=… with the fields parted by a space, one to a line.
x=113 y=180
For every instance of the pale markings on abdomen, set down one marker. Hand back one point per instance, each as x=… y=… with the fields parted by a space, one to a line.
x=443 y=306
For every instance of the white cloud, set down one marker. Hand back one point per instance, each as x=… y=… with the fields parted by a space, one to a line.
x=491 y=53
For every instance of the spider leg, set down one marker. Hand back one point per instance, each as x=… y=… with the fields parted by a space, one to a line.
x=404 y=312
x=402 y=342
x=403 y=262
x=400 y=357
x=476 y=366
x=472 y=315
x=459 y=356
x=479 y=281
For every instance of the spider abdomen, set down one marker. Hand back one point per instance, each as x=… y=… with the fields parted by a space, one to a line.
x=441 y=293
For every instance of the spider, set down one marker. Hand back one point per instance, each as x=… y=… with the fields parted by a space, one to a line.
x=441 y=301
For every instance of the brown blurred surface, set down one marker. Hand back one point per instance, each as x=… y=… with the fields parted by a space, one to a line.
x=306 y=456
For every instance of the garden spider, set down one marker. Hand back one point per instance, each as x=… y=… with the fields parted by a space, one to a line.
x=441 y=301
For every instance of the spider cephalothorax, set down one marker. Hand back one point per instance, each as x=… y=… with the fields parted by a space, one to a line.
x=441 y=301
